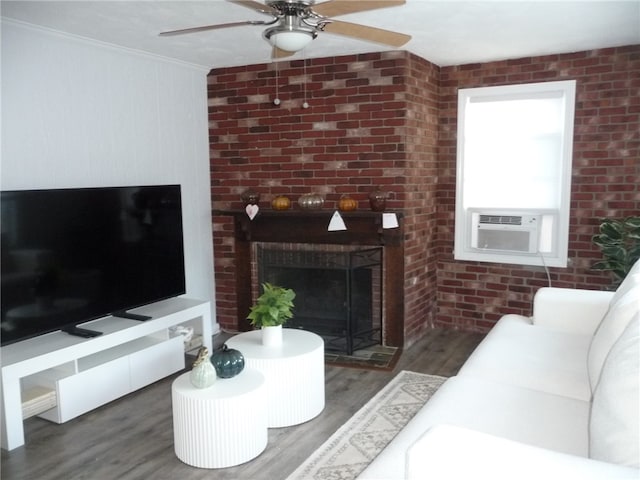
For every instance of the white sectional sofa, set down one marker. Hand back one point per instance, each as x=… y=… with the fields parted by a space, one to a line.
x=551 y=396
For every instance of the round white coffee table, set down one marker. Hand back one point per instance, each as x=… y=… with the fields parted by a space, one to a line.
x=222 y=425
x=294 y=373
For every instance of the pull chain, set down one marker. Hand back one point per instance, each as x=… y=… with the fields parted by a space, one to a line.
x=304 y=79
x=276 y=101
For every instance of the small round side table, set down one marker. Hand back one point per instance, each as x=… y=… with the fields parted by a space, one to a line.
x=222 y=425
x=293 y=371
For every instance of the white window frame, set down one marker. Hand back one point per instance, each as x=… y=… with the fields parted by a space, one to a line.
x=554 y=237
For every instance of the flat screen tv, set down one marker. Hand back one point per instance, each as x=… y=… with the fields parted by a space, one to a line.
x=73 y=255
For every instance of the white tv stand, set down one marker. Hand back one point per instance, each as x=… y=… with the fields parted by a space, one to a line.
x=80 y=374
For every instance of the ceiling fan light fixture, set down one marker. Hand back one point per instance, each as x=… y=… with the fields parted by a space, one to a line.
x=290 y=40
x=298 y=23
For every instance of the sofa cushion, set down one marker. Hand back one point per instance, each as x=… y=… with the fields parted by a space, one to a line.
x=624 y=304
x=630 y=281
x=614 y=426
x=571 y=310
x=520 y=414
x=445 y=452
x=516 y=352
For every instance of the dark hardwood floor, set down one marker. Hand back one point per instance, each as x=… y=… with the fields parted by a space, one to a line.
x=132 y=438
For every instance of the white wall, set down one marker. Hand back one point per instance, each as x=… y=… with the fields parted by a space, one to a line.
x=78 y=113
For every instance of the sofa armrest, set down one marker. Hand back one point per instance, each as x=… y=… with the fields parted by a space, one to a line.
x=446 y=452
x=571 y=310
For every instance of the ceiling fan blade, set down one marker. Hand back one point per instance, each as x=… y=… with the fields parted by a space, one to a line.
x=370 y=34
x=333 y=8
x=211 y=27
x=256 y=6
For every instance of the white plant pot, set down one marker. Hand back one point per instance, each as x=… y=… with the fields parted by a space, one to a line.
x=272 y=336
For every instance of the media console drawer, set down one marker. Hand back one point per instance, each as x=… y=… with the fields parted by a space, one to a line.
x=84 y=391
x=156 y=362
x=104 y=382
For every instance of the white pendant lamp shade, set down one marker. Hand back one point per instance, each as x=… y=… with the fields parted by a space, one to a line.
x=290 y=41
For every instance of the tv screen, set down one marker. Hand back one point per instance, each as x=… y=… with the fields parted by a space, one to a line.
x=73 y=255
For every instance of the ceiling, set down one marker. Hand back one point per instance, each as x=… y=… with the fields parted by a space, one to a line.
x=444 y=32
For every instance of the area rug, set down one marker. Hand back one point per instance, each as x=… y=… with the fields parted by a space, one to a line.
x=375 y=357
x=354 y=445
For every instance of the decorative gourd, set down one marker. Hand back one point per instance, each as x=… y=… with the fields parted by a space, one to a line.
x=203 y=374
x=347 y=204
x=228 y=362
x=281 y=203
x=311 y=201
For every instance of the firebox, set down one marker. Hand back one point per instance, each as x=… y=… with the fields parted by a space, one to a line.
x=338 y=293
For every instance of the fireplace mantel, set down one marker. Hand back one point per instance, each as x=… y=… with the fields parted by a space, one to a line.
x=301 y=226
x=310 y=227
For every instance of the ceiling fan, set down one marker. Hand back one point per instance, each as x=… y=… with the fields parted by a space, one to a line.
x=297 y=22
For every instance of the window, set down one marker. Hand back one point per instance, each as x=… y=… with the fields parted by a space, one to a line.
x=513 y=176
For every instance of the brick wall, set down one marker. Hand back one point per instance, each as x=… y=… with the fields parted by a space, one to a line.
x=605 y=178
x=420 y=180
x=389 y=120
x=371 y=123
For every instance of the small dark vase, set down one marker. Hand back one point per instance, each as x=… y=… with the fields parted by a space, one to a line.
x=378 y=200
x=250 y=197
x=227 y=362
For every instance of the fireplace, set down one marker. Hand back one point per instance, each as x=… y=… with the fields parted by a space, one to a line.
x=338 y=293
x=364 y=231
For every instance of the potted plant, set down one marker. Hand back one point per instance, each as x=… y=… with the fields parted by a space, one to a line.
x=619 y=241
x=272 y=309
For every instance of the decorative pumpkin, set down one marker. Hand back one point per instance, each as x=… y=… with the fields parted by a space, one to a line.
x=228 y=362
x=203 y=374
x=347 y=204
x=311 y=201
x=281 y=203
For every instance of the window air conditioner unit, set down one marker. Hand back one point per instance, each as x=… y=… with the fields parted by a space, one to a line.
x=510 y=232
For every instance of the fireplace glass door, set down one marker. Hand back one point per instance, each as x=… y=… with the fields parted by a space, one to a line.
x=338 y=294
